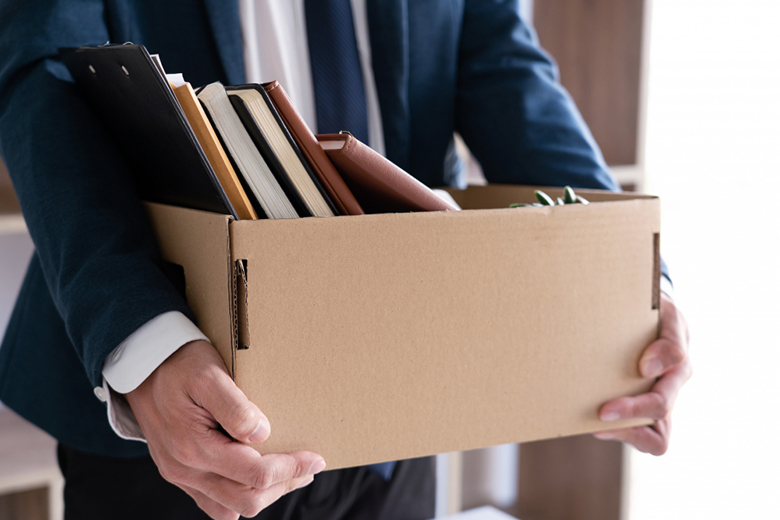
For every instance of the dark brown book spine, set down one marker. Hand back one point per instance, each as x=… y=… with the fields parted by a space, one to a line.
x=329 y=178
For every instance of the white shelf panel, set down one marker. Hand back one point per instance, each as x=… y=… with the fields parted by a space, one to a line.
x=12 y=223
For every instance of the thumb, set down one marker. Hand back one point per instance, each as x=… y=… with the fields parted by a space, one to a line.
x=241 y=418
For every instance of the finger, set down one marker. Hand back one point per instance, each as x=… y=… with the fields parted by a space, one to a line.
x=224 y=496
x=661 y=356
x=671 y=348
x=218 y=454
x=277 y=491
x=280 y=468
x=669 y=385
x=643 y=438
x=655 y=404
x=246 y=501
x=241 y=418
x=648 y=439
x=244 y=465
x=212 y=508
x=241 y=499
x=673 y=320
x=651 y=405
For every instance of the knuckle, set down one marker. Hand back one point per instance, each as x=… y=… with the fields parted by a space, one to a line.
x=245 y=418
x=634 y=408
x=172 y=474
x=185 y=454
x=188 y=457
x=208 y=382
x=215 y=378
x=662 y=405
x=677 y=354
x=264 y=478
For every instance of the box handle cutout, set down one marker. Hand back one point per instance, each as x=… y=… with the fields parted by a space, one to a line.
x=175 y=274
x=656 y=271
x=241 y=306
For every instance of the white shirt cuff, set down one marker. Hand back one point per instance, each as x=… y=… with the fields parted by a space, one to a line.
x=145 y=349
x=121 y=416
x=135 y=359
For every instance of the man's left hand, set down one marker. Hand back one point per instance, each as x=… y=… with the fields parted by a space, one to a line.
x=665 y=359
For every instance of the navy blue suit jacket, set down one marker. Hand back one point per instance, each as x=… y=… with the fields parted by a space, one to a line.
x=441 y=66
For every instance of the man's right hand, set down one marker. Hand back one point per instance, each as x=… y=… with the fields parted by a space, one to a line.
x=180 y=408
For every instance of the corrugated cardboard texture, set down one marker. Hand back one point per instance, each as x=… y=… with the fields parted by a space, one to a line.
x=198 y=241
x=382 y=337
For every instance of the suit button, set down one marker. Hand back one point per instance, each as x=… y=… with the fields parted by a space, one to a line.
x=100 y=393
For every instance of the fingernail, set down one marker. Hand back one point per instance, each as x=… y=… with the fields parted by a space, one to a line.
x=261 y=433
x=652 y=368
x=603 y=436
x=316 y=467
x=610 y=416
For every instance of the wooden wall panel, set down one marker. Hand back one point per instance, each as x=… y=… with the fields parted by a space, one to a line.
x=8 y=202
x=598 y=47
x=574 y=478
x=27 y=505
x=5 y=180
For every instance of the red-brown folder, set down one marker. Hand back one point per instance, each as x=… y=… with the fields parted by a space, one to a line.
x=337 y=189
x=379 y=185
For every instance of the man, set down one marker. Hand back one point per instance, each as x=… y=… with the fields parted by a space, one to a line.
x=95 y=285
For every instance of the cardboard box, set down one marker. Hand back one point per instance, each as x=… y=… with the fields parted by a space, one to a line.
x=383 y=337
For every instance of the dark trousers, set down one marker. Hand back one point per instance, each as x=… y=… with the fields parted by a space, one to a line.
x=102 y=488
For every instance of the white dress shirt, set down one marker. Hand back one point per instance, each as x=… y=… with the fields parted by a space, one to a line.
x=275 y=48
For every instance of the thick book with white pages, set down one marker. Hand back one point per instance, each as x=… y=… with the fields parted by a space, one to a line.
x=282 y=148
x=250 y=164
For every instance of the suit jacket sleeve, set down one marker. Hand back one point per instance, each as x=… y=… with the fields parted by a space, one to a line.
x=511 y=110
x=517 y=119
x=75 y=188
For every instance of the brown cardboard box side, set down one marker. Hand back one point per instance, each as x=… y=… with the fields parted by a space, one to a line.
x=199 y=242
x=382 y=337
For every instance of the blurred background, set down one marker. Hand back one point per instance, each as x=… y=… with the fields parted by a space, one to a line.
x=713 y=137
x=683 y=97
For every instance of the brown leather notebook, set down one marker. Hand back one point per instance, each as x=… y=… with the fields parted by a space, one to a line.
x=379 y=185
x=321 y=166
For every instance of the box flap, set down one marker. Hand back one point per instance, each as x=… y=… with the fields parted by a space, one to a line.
x=199 y=242
x=502 y=195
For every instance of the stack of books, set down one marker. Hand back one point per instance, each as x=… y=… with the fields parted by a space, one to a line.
x=243 y=150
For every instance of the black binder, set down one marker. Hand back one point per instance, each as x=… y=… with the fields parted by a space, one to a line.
x=138 y=107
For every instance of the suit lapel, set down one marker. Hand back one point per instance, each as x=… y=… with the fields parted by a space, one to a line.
x=388 y=26
x=226 y=25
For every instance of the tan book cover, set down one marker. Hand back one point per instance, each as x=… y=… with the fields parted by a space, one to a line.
x=214 y=152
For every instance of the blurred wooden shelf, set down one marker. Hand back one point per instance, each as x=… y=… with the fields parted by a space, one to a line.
x=28 y=462
x=11 y=219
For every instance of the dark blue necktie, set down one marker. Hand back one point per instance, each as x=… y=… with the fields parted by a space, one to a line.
x=335 y=67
